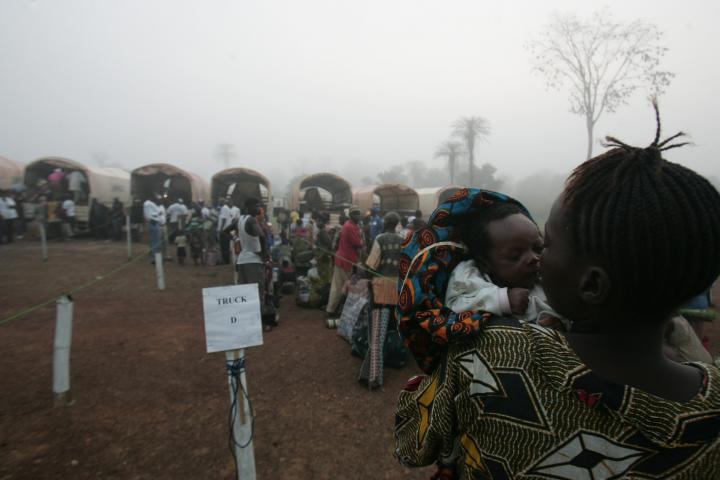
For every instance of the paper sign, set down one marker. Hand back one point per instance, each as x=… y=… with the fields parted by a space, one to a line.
x=232 y=317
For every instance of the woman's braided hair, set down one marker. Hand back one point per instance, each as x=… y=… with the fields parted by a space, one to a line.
x=653 y=224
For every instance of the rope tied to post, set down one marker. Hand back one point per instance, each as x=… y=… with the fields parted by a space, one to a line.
x=235 y=368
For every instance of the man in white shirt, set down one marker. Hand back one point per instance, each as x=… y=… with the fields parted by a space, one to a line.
x=163 y=221
x=234 y=214
x=153 y=215
x=68 y=207
x=76 y=179
x=176 y=213
x=225 y=217
x=224 y=220
x=8 y=216
x=204 y=210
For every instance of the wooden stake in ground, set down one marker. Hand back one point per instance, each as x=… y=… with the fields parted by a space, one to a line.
x=159 y=271
x=242 y=426
x=61 y=352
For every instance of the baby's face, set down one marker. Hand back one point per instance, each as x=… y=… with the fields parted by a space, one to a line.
x=514 y=256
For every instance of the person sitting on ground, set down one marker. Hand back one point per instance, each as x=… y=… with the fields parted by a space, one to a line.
x=631 y=237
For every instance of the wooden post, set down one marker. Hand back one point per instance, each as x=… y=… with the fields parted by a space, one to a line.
x=43 y=242
x=159 y=271
x=129 y=235
x=242 y=426
x=61 y=352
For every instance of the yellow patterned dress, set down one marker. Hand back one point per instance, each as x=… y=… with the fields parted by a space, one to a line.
x=517 y=403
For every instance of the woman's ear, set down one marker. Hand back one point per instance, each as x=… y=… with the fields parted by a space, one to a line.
x=595 y=286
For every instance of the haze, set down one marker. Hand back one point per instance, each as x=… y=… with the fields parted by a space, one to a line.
x=300 y=87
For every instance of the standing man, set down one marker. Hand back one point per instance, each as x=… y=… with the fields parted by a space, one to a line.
x=8 y=216
x=376 y=224
x=250 y=262
x=224 y=220
x=152 y=214
x=384 y=259
x=162 y=221
x=117 y=219
x=68 y=208
x=136 y=219
x=176 y=216
x=76 y=180
x=348 y=253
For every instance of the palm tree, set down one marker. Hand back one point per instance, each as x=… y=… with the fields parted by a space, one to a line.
x=469 y=129
x=449 y=149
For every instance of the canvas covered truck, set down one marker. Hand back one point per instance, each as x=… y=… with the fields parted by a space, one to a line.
x=387 y=197
x=168 y=181
x=321 y=192
x=80 y=182
x=430 y=198
x=11 y=173
x=238 y=184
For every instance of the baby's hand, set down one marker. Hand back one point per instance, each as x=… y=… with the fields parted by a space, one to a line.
x=547 y=320
x=519 y=298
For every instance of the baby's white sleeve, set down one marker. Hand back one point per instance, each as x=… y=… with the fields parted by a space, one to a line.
x=469 y=290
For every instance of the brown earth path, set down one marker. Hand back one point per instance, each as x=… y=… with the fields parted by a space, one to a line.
x=151 y=404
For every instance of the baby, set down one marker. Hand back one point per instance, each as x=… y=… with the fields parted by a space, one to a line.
x=502 y=275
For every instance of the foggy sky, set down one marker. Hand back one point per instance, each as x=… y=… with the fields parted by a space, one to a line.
x=307 y=86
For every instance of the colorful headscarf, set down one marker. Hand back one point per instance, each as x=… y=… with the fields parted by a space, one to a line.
x=427 y=258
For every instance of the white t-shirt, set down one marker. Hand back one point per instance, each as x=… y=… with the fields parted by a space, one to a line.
x=8 y=208
x=175 y=210
x=224 y=218
x=234 y=213
x=162 y=217
x=250 y=246
x=151 y=211
x=69 y=207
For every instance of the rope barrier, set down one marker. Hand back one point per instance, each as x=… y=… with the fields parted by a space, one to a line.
x=355 y=264
x=234 y=370
x=78 y=233
x=92 y=282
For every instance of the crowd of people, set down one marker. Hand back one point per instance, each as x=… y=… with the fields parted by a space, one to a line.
x=576 y=352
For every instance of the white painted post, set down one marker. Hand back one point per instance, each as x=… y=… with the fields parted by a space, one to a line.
x=159 y=271
x=61 y=352
x=129 y=235
x=43 y=242
x=242 y=426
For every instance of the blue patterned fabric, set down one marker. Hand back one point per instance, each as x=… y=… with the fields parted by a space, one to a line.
x=425 y=323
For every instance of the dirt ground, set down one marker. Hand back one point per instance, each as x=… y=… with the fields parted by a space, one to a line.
x=151 y=404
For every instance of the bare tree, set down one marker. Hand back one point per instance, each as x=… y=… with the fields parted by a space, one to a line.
x=226 y=152
x=470 y=129
x=449 y=149
x=601 y=61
